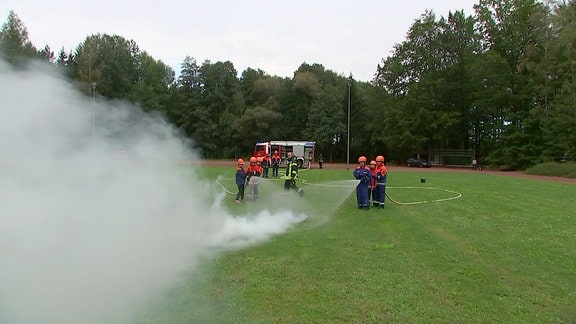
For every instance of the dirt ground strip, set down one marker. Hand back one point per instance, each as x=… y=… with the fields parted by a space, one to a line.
x=518 y=174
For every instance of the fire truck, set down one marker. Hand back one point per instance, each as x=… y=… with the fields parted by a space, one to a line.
x=302 y=150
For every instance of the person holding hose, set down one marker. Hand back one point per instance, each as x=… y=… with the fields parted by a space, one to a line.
x=240 y=180
x=380 y=188
x=372 y=193
x=292 y=174
x=362 y=173
x=253 y=173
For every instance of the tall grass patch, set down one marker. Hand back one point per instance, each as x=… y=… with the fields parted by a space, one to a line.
x=567 y=170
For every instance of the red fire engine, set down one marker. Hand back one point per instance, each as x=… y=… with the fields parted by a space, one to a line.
x=302 y=150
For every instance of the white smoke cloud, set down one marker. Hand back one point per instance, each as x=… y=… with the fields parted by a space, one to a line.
x=98 y=217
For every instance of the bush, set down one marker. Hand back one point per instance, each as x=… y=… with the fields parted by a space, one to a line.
x=567 y=170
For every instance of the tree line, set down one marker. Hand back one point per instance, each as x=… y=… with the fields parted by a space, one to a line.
x=500 y=84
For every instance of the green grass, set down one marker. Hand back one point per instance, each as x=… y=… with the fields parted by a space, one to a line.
x=503 y=252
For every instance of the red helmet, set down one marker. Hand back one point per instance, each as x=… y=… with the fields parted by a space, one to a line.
x=260 y=159
x=240 y=161
x=253 y=159
x=379 y=158
x=373 y=162
x=362 y=159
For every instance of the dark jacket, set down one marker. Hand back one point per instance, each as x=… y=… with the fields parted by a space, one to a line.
x=240 y=176
x=292 y=168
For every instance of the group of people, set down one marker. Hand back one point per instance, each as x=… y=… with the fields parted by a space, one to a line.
x=266 y=162
x=259 y=168
x=372 y=185
x=476 y=165
x=250 y=177
x=370 y=191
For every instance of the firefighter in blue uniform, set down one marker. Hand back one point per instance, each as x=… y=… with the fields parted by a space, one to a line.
x=373 y=193
x=362 y=173
x=240 y=180
x=380 y=188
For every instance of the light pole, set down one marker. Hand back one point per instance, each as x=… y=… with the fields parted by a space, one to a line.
x=348 y=131
x=94 y=116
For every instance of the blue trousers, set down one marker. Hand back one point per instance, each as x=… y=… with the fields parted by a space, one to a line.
x=363 y=195
x=379 y=193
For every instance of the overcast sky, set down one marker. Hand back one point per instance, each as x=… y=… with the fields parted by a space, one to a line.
x=274 y=35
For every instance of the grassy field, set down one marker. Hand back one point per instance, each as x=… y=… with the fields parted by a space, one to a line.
x=502 y=252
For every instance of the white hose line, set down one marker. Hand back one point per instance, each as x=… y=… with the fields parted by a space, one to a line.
x=457 y=195
x=304 y=181
x=222 y=186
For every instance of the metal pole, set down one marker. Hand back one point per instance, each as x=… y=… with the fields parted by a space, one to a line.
x=348 y=131
x=94 y=115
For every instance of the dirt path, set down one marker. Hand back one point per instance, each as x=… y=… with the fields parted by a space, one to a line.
x=518 y=174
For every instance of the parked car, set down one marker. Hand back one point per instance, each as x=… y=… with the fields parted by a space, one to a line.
x=420 y=163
